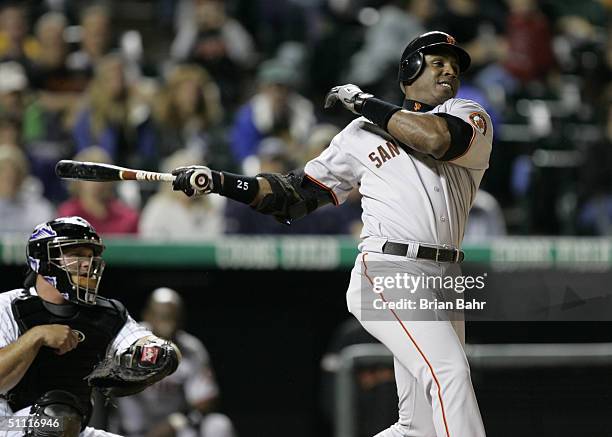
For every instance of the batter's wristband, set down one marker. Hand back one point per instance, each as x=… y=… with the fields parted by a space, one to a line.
x=378 y=111
x=241 y=188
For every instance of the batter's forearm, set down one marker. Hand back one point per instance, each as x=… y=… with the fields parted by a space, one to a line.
x=16 y=358
x=287 y=197
x=262 y=188
x=425 y=133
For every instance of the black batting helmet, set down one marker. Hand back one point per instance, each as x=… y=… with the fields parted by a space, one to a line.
x=79 y=279
x=413 y=58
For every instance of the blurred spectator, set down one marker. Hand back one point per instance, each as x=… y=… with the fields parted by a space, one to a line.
x=13 y=89
x=181 y=405
x=68 y=8
x=339 y=35
x=26 y=123
x=529 y=35
x=96 y=39
x=22 y=205
x=397 y=24
x=170 y=215
x=10 y=130
x=476 y=27
x=96 y=201
x=189 y=114
x=117 y=118
x=211 y=38
x=49 y=70
x=15 y=42
x=486 y=219
x=275 y=110
x=580 y=49
x=273 y=22
x=595 y=12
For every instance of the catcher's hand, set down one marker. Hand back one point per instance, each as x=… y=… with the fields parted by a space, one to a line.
x=194 y=180
x=134 y=369
x=349 y=95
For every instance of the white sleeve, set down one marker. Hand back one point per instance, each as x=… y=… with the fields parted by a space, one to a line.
x=130 y=332
x=9 y=331
x=334 y=169
x=476 y=156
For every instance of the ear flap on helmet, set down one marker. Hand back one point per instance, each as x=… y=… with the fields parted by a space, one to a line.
x=411 y=67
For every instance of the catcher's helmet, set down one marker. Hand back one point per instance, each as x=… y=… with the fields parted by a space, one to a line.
x=77 y=278
x=413 y=58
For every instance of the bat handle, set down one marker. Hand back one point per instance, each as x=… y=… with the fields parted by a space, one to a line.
x=140 y=175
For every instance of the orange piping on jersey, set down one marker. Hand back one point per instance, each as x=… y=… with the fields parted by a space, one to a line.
x=325 y=187
x=435 y=378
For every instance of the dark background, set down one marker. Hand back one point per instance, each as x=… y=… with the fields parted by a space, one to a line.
x=267 y=330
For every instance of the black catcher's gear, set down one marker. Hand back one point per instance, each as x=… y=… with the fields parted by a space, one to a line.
x=72 y=416
x=95 y=325
x=131 y=371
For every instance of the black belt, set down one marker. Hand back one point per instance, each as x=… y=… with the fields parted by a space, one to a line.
x=431 y=253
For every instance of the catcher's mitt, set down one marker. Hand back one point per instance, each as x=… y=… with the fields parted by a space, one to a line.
x=131 y=371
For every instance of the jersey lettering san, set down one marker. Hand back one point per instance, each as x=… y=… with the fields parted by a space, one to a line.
x=384 y=153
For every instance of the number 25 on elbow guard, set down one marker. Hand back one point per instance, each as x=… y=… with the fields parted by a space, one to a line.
x=242 y=185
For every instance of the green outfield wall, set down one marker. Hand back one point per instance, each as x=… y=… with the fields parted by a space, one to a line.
x=331 y=253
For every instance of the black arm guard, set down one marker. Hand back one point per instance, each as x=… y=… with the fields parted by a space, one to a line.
x=293 y=196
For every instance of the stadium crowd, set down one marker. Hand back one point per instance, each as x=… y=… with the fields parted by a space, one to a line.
x=239 y=85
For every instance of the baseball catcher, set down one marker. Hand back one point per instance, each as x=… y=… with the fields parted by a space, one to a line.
x=56 y=329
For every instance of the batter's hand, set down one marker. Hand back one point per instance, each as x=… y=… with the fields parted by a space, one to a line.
x=194 y=180
x=349 y=95
x=59 y=337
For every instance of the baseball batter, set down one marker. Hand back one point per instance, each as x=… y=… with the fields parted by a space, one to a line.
x=418 y=169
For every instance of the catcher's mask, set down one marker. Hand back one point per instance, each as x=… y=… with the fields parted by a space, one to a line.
x=413 y=58
x=55 y=251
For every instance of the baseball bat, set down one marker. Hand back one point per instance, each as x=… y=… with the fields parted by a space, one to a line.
x=97 y=172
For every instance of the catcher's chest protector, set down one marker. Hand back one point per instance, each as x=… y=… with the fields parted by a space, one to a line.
x=97 y=325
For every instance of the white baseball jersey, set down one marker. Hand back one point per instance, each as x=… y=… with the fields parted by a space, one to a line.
x=407 y=195
x=9 y=332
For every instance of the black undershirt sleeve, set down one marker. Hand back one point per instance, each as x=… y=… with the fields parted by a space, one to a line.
x=461 y=136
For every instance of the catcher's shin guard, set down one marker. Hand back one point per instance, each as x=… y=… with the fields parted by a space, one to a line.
x=57 y=413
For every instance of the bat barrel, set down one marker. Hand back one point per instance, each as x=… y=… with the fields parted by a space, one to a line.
x=98 y=172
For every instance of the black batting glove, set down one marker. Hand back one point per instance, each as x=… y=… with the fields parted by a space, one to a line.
x=194 y=180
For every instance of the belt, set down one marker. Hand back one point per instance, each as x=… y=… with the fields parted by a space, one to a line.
x=437 y=254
